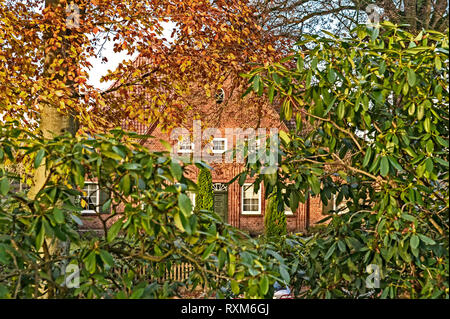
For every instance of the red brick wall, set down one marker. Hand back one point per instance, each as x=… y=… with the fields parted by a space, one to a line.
x=315 y=208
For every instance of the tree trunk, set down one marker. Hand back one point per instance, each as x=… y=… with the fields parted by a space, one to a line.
x=52 y=123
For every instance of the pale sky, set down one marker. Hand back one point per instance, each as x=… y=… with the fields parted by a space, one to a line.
x=100 y=69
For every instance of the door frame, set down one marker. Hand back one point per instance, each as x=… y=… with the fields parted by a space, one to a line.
x=222 y=189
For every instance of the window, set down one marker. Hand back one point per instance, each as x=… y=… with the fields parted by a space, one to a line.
x=185 y=146
x=91 y=199
x=253 y=145
x=220 y=96
x=219 y=145
x=251 y=202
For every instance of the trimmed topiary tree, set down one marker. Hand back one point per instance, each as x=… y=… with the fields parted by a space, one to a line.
x=274 y=219
x=205 y=196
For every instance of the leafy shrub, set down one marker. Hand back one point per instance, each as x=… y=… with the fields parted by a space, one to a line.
x=149 y=229
x=377 y=103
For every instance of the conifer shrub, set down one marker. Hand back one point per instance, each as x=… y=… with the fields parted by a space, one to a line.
x=205 y=197
x=274 y=220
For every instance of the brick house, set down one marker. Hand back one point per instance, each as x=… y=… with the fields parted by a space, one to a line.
x=223 y=110
x=226 y=110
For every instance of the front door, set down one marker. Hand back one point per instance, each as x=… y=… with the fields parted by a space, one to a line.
x=221 y=203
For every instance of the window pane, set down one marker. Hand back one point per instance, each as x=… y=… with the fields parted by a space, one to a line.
x=90 y=199
x=219 y=144
x=250 y=200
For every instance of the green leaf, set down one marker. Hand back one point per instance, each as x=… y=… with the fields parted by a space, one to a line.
x=112 y=155
x=284 y=137
x=375 y=164
x=308 y=79
x=255 y=84
x=367 y=157
x=107 y=258
x=287 y=109
x=411 y=109
x=59 y=215
x=437 y=63
x=177 y=221
x=414 y=241
x=118 y=151
x=394 y=163
x=427 y=240
x=106 y=205
x=264 y=285
x=330 y=251
x=285 y=274
x=315 y=184
x=411 y=75
x=409 y=217
x=4 y=186
x=208 y=250
x=420 y=111
x=271 y=93
x=234 y=287
x=91 y=262
x=125 y=184
x=340 y=110
x=222 y=258
x=331 y=75
x=441 y=141
x=176 y=170
x=314 y=63
x=132 y=166
x=40 y=237
x=137 y=293
x=384 y=166
x=427 y=124
x=341 y=246
x=429 y=165
x=300 y=63
x=353 y=242
x=39 y=156
x=185 y=204
x=441 y=161
x=114 y=230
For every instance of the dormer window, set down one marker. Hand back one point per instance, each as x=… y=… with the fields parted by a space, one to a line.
x=220 y=96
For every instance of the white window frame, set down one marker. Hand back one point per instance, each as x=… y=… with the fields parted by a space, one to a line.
x=97 y=201
x=242 y=201
x=185 y=151
x=225 y=144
